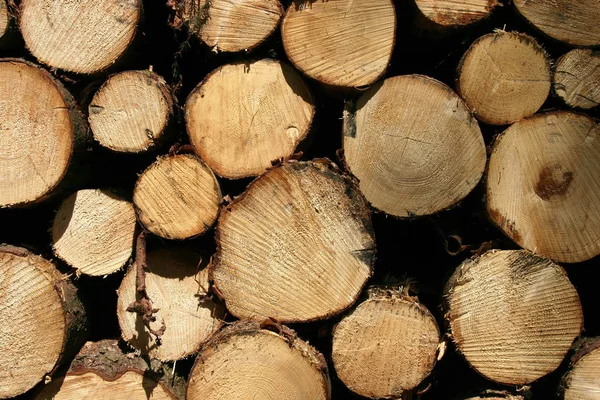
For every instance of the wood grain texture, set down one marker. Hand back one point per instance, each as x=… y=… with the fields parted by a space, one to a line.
x=177 y=197
x=582 y=382
x=177 y=288
x=297 y=245
x=543 y=185
x=504 y=77
x=340 y=42
x=93 y=231
x=4 y=18
x=413 y=145
x=386 y=346
x=130 y=111
x=84 y=36
x=456 y=12
x=245 y=361
x=243 y=116
x=42 y=321
x=571 y=21
x=577 y=78
x=513 y=315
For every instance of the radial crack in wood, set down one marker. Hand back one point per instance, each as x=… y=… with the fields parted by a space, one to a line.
x=456 y=12
x=582 y=382
x=513 y=315
x=42 y=321
x=245 y=361
x=413 y=145
x=387 y=346
x=504 y=77
x=343 y=43
x=296 y=246
x=243 y=116
x=543 y=188
x=93 y=231
x=577 y=78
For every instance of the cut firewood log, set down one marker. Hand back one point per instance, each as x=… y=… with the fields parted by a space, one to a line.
x=496 y=395
x=577 y=78
x=340 y=42
x=4 y=18
x=93 y=231
x=179 y=291
x=244 y=116
x=387 y=346
x=408 y=162
x=102 y=370
x=42 y=321
x=177 y=197
x=574 y=22
x=453 y=13
x=85 y=36
x=249 y=360
x=542 y=185
x=131 y=111
x=296 y=246
x=226 y=25
x=513 y=315
x=582 y=382
x=504 y=77
x=41 y=131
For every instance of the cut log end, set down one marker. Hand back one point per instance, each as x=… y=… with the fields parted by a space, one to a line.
x=41 y=320
x=93 y=231
x=542 y=189
x=513 y=315
x=386 y=347
x=83 y=37
x=4 y=18
x=244 y=116
x=296 y=246
x=177 y=197
x=549 y=17
x=407 y=162
x=179 y=291
x=340 y=42
x=577 y=78
x=230 y=365
x=456 y=13
x=581 y=382
x=504 y=77
x=38 y=133
x=130 y=111
x=229 y=27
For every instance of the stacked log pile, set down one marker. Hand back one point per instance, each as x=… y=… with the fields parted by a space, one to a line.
x=231 y=199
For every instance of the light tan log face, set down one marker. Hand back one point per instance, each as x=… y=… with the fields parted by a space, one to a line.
x=176 y=288
x=583 y=381
x=297 y=245
x=504 y=77
x=385 y=347
x=577 y=78
x=246 y=362
x=543 y=185
x=513 y=315
x=36 y=133
x=340 y=42
x=177 y=197
x=130 y=111
x=571 y=21
x=3 y=17
x=85 y=36
x=244 y=116
x=413 y=145
x=32 y=323
x=93 y=231
x=456 y=12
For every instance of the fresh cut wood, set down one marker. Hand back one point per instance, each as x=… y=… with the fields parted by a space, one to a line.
x=413 y=145
x=386 y=346
x=543 y=189
x=577 y=78
x=453 y=13
x=296 y=246
x=512 y=315
x=582 y=381
x=41 y=131
x=84 y=37
x=249 y=360
x=42 y=320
